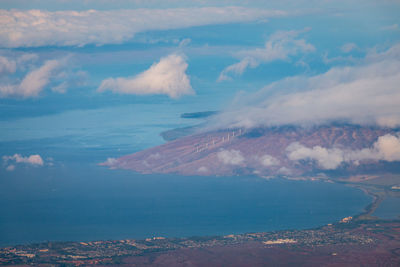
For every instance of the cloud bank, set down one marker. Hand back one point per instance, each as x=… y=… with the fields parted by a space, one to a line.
x=280 y=46
x=10 y=63
x=34 y=28
x=168 y=77
x=347 y=48
x=230 y=157
x=33 y=83
x=366 y=94
x=26 y=76
x=7 y=65
x=268 y=161
x=33 y=160
x=386 y=148
x=326 y=158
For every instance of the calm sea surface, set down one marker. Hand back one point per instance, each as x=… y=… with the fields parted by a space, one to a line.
x=389 y=208
x=96 y=204
x=71 y=198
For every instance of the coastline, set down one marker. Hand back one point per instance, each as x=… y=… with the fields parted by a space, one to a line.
x=341 y=238
x=378 y=193
x=260 y=202
x=362 y=232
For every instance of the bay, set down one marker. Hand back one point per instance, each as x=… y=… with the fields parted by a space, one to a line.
x=75 y=203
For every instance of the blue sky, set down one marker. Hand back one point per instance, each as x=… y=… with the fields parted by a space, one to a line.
x=112 y=75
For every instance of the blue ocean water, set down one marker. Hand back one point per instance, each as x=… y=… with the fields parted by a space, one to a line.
x=62 y=203
x=72 y=198
x=389 y=208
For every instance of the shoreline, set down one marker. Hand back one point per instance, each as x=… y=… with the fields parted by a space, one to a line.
x=367 y=211
x=371 y=208
x=361 y=232
x=338 y=238
x=378 y=194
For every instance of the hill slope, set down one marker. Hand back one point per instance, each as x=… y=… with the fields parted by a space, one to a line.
x=285 y=150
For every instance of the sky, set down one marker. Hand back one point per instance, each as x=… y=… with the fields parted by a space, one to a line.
x=81 y=81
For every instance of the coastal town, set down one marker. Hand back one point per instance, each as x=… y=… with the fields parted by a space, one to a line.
x=362 y=236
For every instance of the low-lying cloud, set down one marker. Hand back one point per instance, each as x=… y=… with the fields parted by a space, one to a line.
x=32 y=76
x=9 y=64
x=365 y=94
x=386 y=148
x=33 y=160
x=280 y=46
x=268 y=161
x=33 y=83
x=167 y=77
x=347 y=48
x=34 y=28
x=326 y=158
x=230 y=157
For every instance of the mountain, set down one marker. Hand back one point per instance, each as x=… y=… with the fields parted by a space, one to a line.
x=268 y=151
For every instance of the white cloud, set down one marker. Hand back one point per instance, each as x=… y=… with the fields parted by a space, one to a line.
x=268 y=160
x=326 y=158
x=230 y=157
x=393 y=27
x=155 y=156
x=7 y=66
x=202 y=169
x=61 y=88
x=110 y=161
x=33 y=28
x=238 y=68
x=125 y=4
x=32 y=75
x=280 y=46
x=166 y=77
x=10 y=168
x=34 y=160
x=11 y=61
x=347 y=48
x=367 y=94
x=386 y=148
x=185 y=42
x=284 y=171
x=33 y=83
x=36 y=80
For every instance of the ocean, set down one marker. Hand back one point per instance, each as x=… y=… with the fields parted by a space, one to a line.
x=75 y=203
x=71 y=198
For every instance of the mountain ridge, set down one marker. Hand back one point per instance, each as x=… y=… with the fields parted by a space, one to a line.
x=262 y=151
